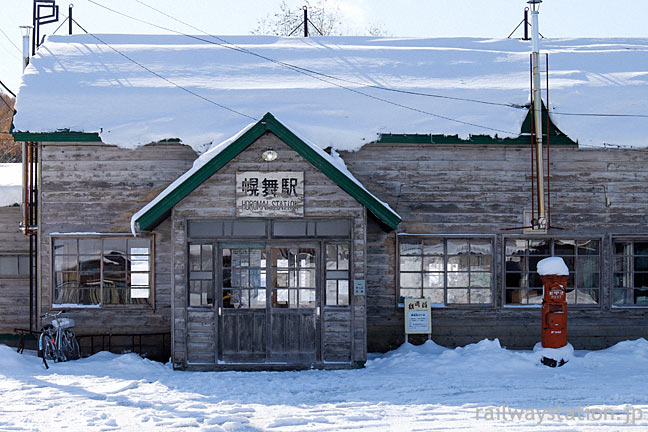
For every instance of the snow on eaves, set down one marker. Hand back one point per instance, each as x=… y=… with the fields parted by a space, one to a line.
x=10 y=184
x=78 y=84
x=216 y=149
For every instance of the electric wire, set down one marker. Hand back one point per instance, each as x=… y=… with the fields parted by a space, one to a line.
x=295 y=67
x=599 y=114
x=191 y=92
x=10 y=41
x=7 y=88
x=307 y=72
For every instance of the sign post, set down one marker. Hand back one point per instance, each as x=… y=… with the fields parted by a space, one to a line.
x=418 y=317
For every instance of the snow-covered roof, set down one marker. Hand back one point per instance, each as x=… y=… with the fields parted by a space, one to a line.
x=80 y=84
x=10 y=184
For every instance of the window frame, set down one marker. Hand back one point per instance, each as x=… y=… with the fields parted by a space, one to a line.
x=325 y=277
x=601 y=255
x=611 y=272
x=18 y=275
x=492 y=238
x=103 y=236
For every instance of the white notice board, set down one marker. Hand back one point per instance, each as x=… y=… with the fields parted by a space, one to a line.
x=418 y=316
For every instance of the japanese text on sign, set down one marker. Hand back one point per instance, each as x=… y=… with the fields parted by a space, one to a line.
x=417 y=316
x=269 y=194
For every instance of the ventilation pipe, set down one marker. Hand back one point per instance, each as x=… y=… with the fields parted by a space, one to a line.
x=25 y=30
x=541 y=222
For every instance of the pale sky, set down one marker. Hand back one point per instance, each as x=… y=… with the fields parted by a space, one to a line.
x=412 y=18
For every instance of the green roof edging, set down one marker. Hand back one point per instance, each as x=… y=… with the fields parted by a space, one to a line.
x=56 y=136
x=160 y=210
x=556 y=136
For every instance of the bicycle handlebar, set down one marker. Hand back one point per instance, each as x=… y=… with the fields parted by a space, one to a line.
x=47 y=314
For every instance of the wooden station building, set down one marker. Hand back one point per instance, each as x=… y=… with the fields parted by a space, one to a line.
x=269 y=252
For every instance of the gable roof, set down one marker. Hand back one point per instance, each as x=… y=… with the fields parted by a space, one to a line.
x=214 y=159
x=348 y=90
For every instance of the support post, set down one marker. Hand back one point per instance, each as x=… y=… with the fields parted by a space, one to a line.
x=305 y=21
x=70 y=18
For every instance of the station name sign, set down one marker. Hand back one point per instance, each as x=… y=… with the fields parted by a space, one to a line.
x=275 y=194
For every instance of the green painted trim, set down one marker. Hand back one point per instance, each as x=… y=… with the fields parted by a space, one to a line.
x=162 y=209
x=56 y=136
x=556 y=136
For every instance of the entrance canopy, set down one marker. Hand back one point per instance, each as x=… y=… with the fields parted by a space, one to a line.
x=215 y=158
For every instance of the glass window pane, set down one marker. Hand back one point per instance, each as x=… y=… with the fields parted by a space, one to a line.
x=281 y=278
x=280 y=257
x=206 y=257
x=622 y=263
x=258 y=298
x=535 y=296
x=140 y=279
x=457 y=279
x=481 y=262
x=411 y=293
x=534 y=260
x=587 y=297
x=480 y=247
x=9 y=265
x=480 y=296
x=516 y=296
x=306 y=258
x=588 y=272
x=227 y=298
x=433 y=280
x=306 y=278
x=641 y=280
x=343 y=256
x=227 y=257
x=433 y=247
x=140 y=293
x=89 y=246
x=307 y=298
x=516 y=247
x=516 y=280
x=65 y=246
x=540 y=247
x=480 y=280
x=23 y=265
x=331 y=256
x=622 y=248
x=89 y=263
x=458 y=296
x=458 y=247
x=564 y=247
x=641 y=263
x=410 y=280
x=458 y=263
x=641 y=297
x=434 y=295
x=115 y=279
x=331 y=292
x=621 y=297
x=140 y=263
x=534 y=280
x=280 y=298
x=588 y=247
x=292 y=298
x=433 y=263
x=115 y=246
x=343 y=292
x=410 y=248
x=410 y=263
x=641 y=248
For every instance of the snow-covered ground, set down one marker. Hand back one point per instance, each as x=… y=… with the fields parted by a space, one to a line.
x=478 y=387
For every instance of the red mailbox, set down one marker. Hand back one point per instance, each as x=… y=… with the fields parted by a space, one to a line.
x=554 y=311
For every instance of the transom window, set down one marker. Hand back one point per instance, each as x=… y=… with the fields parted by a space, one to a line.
x=446 y=270
x=96 y=271
x=582 y=257
x=14 y=266
x=630 y=273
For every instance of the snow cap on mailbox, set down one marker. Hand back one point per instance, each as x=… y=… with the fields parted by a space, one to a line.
x=552 y=266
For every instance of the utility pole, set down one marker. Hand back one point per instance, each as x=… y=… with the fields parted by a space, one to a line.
x=305 y=21
x=541 y=222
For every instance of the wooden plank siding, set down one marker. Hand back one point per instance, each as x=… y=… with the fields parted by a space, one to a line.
x=343 y=335
x=91 y=187
x=14 y=291
x=471 y=189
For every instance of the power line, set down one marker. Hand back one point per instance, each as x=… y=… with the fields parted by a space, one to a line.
x=10 y=41
x=164 y=78
x=7 y=88
x=600 y=114
x=247 y=51
x=313 y=74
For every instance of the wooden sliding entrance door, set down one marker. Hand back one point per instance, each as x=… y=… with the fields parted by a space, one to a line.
x=270 y=299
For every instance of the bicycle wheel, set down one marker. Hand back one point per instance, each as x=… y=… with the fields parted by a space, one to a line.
x=46 y=348
x=70 y=346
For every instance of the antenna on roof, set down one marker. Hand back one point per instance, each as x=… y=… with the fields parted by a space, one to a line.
x=38 y=19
